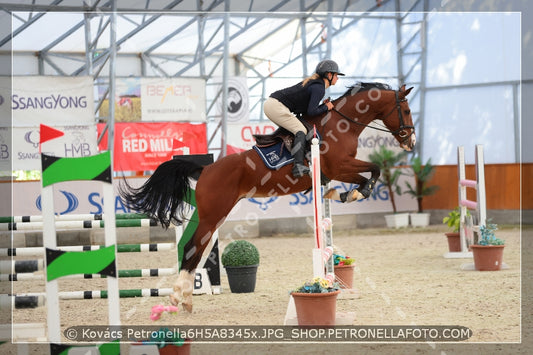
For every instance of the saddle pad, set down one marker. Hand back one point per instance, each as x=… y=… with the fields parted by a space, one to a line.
x=275 y=156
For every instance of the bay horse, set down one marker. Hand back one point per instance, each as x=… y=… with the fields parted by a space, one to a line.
x=167 y=194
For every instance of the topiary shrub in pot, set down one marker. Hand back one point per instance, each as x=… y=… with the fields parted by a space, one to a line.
x=240 y=258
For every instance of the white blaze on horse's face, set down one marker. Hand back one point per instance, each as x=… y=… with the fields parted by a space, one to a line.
x=410 y=144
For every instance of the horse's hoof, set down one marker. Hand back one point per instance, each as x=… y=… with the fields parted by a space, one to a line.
x=174 y=300
x=332 y=194
x=187 y=307
x=357 y=196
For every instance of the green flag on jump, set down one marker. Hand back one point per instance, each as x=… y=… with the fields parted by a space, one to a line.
x=62 y=263
x=93 y=167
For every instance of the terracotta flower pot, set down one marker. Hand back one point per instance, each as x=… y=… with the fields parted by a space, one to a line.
x=184 y=349
x=454 y=241
x=316 y=309
x=487 y=257
x=344 y=275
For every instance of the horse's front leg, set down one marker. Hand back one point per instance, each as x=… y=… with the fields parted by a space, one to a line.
x=350 y=172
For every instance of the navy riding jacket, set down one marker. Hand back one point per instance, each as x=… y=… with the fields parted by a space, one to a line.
x=303 y=100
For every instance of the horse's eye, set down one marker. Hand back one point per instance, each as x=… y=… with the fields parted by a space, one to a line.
x=407 y=112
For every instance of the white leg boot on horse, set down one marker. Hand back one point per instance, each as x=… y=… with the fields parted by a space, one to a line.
x=183 y=289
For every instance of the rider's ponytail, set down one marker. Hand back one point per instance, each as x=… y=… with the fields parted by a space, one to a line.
x=309 y=78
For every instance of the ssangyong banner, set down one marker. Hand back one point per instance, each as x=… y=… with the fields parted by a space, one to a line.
x=52 y=100
x=79 y=197
x=144 y=146
x=174 y=99
x=6 y=151
x=5 y=105
x=77 y=141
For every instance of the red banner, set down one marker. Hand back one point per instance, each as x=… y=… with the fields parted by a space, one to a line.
x=144 y=146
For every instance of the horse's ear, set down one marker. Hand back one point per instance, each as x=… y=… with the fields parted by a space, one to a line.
x=403 y=93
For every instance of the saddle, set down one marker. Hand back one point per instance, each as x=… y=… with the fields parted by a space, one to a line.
x=285 y=139
x=279 y=135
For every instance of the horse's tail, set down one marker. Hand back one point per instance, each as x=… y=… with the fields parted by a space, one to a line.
x=162 y=196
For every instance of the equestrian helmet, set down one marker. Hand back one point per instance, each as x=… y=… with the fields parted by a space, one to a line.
x=327 y=66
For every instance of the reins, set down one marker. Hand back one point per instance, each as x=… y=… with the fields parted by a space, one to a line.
x=400 y=116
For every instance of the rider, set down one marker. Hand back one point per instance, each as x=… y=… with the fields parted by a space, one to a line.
x=303 y=98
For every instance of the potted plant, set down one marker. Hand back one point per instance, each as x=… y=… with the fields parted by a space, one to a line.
x=240 y=258
x=316 y=302
x=387 y=160
x=168 y=342
x=343 y=267
x=488 y=252
x=453 y=221
x=422 y=175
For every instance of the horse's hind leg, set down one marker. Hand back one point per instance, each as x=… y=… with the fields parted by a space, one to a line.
x=209 y=219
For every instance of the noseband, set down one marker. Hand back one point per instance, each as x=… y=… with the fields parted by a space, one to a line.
x=400 y=132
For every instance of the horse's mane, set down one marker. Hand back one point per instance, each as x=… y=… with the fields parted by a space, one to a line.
x=362 y=86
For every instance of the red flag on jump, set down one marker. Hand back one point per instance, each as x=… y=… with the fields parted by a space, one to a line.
x=48 y=133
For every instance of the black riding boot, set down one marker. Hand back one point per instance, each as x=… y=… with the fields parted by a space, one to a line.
x=298 y=152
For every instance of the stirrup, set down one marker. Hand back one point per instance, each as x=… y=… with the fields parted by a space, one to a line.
x=299 y=170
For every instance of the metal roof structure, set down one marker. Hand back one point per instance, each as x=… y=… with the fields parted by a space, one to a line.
x=208 y=39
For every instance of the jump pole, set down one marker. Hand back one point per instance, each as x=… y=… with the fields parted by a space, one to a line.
x=71 y=217
x=323 y=250
x=478 y=207
x=121 y=248
x=78 y=224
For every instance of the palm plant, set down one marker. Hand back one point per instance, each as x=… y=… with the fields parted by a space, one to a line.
x=387 y=160
x=422 y=174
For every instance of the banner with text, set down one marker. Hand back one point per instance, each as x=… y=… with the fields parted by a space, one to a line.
x=144 y=146
x=6 y=151
x=5 y=107
x=77 y=141
x=52 y=100
x=175 y=99
x=78 y=197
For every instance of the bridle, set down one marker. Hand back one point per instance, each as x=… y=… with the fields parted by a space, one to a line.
x=401 y=132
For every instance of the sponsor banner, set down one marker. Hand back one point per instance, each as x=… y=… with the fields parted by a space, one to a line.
x=5 y=94
x=127 y=100
x=371 y=140
x=79 y=197
x=52 y=100
x=6 y=152
x=174 y=99
x=241 y=135
x=144 y=146
x=78 y=141
x=238 y=103
x=73 y=197
x=301 y=204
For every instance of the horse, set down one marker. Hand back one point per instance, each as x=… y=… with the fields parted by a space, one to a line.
x=166 y=195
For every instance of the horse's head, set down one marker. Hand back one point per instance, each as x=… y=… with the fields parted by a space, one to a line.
x=400 y=121
x=366 y=102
